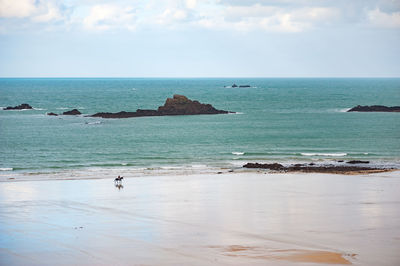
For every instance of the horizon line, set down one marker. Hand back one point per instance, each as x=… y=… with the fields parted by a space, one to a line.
x=204 y=77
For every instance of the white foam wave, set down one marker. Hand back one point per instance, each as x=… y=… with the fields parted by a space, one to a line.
x=94 y=123
x=39 y=109
x=171 y=167
x=62 y=108
x=198 y=166
x=323 y=154
x=235 y=113
x=6 y=169
x=237 y=153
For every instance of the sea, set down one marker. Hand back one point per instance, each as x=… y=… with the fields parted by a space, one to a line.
x=284 y=120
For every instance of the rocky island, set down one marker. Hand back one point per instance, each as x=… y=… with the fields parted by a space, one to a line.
x=374 y=108
x=178 y=105
x=23 y=106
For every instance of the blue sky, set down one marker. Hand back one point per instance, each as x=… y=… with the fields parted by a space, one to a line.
x=200 y=38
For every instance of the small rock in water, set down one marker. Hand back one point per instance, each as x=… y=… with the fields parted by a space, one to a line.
x=357 y=161
x=72 y=112
x=23 y=106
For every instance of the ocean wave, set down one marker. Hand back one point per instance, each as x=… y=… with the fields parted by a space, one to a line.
x=62 y=108
x=235 y=113
x=342 y=110
x=94 y=123
x=324 y=154
x=237 y=153
x=6 y=169
x=39 y=109
x=171 y=167
x=198 y=166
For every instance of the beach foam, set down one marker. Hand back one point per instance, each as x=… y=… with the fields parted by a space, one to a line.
x=324 y=154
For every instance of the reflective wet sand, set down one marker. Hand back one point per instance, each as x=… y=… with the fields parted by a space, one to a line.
x=225 y=219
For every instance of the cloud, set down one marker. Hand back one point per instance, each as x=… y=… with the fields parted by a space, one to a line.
x=105 y=17
x=230 y=15
x=270 y=18
x=382 y=19
x=17 y=8
x=191 y=4
x=171 y=16
x=36 y=11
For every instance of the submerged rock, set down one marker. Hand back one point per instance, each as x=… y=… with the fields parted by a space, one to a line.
x=356 y=162
x=374 y=108
x=178 y=105
x=72 y=112
x=23 y=106
x=244 y=86
x=52 y=114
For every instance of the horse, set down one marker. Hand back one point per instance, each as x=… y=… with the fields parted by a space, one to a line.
x=118 y=179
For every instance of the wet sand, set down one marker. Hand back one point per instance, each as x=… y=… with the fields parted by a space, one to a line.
x=211 y=219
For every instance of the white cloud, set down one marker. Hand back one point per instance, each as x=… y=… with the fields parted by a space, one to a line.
x=191 y=4
x=269 y=18
x=17 y=8
x=172 y=16
x=233 y=15
x=37 y=11
x=382 y=19
x=48 y=12
x=105 y=17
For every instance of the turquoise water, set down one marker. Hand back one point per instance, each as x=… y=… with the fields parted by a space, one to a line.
x=283 y=120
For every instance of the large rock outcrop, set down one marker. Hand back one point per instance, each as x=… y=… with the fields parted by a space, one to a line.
x=374 y=108
x=23 y=106
x=178 y=105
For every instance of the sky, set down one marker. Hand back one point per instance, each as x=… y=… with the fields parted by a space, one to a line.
x=200 y=38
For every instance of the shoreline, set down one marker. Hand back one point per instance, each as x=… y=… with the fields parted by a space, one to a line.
x=246 y=218
x=130 y=172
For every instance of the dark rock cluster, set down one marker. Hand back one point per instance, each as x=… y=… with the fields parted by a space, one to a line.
x=23 y=106
x=72 y=112
x=312 y=168
x=374 y=108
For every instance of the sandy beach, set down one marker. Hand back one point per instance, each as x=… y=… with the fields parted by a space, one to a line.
x=209 y=219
